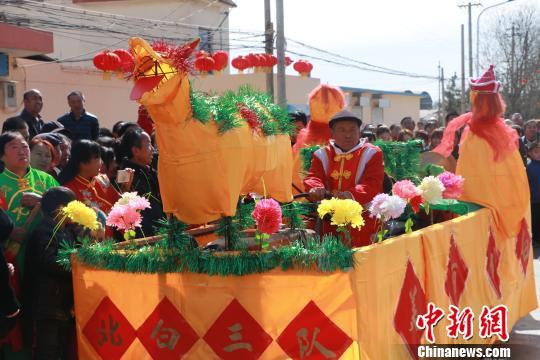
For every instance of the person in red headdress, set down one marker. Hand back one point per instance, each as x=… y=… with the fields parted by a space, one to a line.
x=144 y=120
x=348 y=168
x=489 y=158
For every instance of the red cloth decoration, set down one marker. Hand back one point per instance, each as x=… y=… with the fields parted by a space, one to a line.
x=303 y=67
x=144 y=120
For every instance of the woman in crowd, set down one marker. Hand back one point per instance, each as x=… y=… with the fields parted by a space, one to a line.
x=82 y=176
x=137 y=153
x=405 y=135
x=43 y=155
x=22 y=187
x=109 y=165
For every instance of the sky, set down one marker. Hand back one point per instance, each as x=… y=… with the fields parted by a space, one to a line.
x=413 y=36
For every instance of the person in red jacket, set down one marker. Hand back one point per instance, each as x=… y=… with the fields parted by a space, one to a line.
x=348 y=168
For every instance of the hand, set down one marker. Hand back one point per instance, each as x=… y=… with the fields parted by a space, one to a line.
x=30 y=200
x=18 y=234
x=343 y=195
x=127 y=185
x=11 y=269
x=317 y=194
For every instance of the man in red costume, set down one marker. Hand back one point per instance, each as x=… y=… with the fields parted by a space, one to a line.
x=324 y=102
x=348 y=168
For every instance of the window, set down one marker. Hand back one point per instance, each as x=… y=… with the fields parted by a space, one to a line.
x=207 y=39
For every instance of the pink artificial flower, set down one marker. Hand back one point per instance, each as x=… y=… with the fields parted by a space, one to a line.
x=267 y=215
x=453 y=185
x=376 y=208
x=405 y=189
x=124 y=218
x=139 y=203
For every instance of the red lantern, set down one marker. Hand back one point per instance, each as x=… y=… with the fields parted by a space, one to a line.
x=201 y=53
x=204 y=64
x=127 y=62
x=288 y=61
x=107 y=62
x=303 y=67
x=221 y=58
x=273 y=60
x=251 y=59
x=240 y=63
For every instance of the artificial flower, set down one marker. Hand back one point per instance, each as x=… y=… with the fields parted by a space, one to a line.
x=124 y=217
x=405 y=189
x=344 y=212
x=80 y=214
x=376 y=207
x=432 y=189
x=453 y=185
x=415 y=203
x=267 y=215
x=134 y=201
x=386 y=207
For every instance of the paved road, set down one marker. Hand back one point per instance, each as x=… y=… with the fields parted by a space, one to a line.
x=526 y=333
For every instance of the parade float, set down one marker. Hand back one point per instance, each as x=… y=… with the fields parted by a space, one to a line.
x=267 y=288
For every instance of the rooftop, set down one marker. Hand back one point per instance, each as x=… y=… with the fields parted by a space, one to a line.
x=373 y=91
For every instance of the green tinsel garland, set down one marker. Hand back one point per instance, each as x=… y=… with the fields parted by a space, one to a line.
x=224 y=109
x=329 y=255
x=306 y=154
x=200 y=105
x=401 y=159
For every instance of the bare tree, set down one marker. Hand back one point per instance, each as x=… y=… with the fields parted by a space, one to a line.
x=512 y=44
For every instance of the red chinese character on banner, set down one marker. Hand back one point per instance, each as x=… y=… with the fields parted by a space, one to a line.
x=461 y=322
x=494 y=322
x=429 y=320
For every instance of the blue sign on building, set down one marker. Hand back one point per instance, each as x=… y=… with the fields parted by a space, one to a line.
x=4 y=65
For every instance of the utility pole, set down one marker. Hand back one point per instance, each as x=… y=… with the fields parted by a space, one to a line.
x=440 y=91
x=269 y=46
x=512 y=61
x=462 y=69
x=441 y=123
x=469 y=6
x=280 y=47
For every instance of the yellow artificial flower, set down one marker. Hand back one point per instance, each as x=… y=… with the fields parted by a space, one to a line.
x=345 y=212
x=81 y=214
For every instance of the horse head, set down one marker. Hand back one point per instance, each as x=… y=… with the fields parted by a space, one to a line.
x=157 y=63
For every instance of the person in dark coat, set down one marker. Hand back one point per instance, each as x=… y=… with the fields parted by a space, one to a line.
x=9 y=306
x=137 y=153
x=49 y=285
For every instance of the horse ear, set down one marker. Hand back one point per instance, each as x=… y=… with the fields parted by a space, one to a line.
x=193 y=45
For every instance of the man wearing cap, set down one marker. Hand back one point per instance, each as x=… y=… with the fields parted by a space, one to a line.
x=348 y=168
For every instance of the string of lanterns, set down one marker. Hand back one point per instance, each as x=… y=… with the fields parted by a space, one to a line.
x=118 y=61
x=121 y=62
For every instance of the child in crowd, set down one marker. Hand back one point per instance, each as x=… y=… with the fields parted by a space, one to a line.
x=48 y=285
x=533 y=173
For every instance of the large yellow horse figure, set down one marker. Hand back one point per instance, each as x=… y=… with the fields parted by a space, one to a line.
x=203 y=168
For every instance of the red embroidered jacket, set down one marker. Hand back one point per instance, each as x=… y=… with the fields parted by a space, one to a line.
x=359 y=171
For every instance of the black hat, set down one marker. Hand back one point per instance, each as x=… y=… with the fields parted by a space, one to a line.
x=52 y=138
x=344 y=115
x=55 y=127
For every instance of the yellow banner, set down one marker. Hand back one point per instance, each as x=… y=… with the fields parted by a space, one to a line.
x=369 y=312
